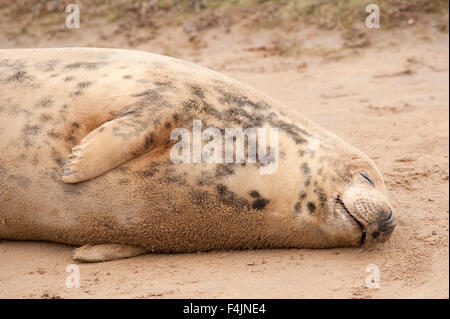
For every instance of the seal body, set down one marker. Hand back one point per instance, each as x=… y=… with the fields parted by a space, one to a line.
x=107 y=116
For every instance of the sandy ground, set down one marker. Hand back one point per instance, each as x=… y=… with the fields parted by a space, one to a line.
x=389 y=99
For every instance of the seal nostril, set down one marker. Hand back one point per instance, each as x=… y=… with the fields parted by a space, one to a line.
x=385 y=216
x=387 y=226
x=391 y=215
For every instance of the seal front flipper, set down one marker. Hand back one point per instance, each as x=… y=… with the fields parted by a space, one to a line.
x=112 y=144
x=98 y=253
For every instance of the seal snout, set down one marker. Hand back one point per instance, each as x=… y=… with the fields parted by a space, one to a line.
x=371 y=212
x=380 y=230
x=387 y=224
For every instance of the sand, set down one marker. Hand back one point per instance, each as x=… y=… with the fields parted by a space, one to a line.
x=389 y=98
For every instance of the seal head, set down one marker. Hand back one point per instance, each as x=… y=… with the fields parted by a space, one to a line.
x=360 y=198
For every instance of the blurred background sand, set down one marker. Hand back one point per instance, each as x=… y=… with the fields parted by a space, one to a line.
x=384 y=90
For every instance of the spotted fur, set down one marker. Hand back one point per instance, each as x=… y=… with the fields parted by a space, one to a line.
x=109 y=125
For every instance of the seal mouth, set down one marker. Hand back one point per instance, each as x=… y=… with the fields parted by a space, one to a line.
x=360 y=225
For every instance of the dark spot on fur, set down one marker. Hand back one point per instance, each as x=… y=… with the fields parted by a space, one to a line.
x=229 y=198
x=305 y=169
x=149 y=171
x=124 y=181
x=146 y=173
x=322 y=197
x=307 y=172
x=239 y=100
x=163 y=83
x=149 y=138
x=83 y=85
x=127 y=77
x=53 y=135
x=297 y=209
x=84 y=65
x=69 y=78
x=292 y=130
x=255 y=194
x=260 y=203
x=70 y=139
x=197 y=91
x=46 y=118
x=201 y=107
x=44 y=103
x=73 y=65
x=57 y=157
x=150 y=93
x=201 y=182
x=18 y=76
x=31 y=130
x=311 y=207
x=167 y=125
x=308 y=181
